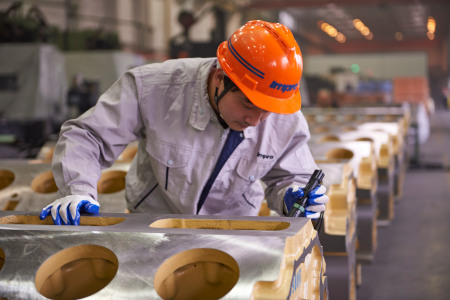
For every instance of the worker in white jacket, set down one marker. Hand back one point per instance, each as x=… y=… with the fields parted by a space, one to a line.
x=209 y=130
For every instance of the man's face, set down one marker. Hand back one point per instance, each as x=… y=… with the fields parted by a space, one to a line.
x=238 y=112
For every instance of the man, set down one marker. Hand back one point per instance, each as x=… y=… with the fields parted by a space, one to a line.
x=210 y=131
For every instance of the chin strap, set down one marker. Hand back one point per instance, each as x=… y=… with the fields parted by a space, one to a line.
x=216 y=100
x=225 y=90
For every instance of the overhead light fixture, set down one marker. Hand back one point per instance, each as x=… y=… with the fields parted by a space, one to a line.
x=398 y=36
x=369 y=36
x=363 y=29
x=340 y=37
x=331 y=31
x=358 y=24
x=431 y=24
x=431 y=27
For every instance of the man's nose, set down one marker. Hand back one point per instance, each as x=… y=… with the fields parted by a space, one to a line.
x=256 y=116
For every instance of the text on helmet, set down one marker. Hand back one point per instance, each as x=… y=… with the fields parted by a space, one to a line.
x=283 y=87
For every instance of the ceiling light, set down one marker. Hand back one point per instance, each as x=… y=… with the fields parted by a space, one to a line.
x=331 y=31
x=340 y=37
x=358 y=24
x=431 y=24
x=363 y=29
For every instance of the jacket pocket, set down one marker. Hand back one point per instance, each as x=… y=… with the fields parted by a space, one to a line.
x=169 y=163
x=247 y=183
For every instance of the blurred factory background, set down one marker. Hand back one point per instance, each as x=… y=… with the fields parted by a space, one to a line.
x=379 y=60
x=56 y=57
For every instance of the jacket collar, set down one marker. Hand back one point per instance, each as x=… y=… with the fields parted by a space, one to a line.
x=201 y=111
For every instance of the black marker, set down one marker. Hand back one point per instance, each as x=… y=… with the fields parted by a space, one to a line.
x=298 y=209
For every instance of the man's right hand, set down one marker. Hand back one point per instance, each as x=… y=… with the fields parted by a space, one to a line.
x=66 y=210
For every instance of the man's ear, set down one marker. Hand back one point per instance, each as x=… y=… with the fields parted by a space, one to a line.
x=218 y=76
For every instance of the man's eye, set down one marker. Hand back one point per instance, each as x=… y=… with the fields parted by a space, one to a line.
x=249 y=105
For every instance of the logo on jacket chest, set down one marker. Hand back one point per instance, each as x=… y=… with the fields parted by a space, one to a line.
x=264 y=156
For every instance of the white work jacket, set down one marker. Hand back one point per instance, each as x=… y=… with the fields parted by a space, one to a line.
x=166 y=107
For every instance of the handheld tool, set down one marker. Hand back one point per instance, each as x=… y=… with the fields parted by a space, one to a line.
x=298 y=209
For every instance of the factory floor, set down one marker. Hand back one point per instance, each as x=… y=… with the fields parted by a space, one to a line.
x=412 y=260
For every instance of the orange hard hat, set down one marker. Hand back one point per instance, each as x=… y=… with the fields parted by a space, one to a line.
x=265 y=62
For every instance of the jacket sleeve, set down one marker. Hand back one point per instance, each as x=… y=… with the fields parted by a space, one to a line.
x=94 y=140
x=294 y=167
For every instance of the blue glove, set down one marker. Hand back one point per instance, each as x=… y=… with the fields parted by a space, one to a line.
x=315 y=203
x=67 y=210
